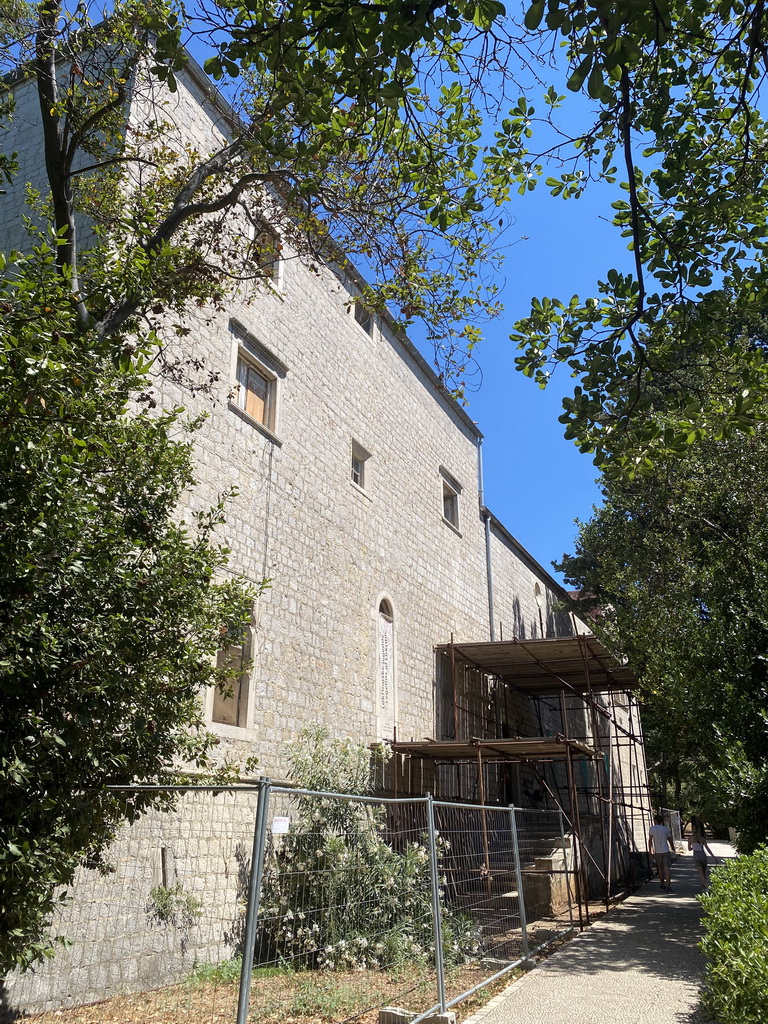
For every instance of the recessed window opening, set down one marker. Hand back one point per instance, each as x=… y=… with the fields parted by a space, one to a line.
x=450 y=505
x=360 y=459
x=539 y=604
x=363 y=316
x=386 y=686
x=255 y=391
x=450 y=497
x=231 y=706
x=267 y=249
x=257 y=376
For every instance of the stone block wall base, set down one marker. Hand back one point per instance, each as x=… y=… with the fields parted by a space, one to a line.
x=394 y=1015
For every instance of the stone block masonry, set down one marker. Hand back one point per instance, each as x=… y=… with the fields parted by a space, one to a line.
x=336 y=550
x=169 y=895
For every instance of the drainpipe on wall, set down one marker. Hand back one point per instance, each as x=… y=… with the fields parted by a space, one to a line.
x=485 y=513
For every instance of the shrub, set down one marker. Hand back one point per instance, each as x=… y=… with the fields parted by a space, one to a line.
x=335 y=893
x=736 y=940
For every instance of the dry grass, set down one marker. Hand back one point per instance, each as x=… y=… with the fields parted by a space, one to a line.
x=281 y=997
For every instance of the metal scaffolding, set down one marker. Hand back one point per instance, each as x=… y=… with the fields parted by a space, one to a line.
x=550 y=722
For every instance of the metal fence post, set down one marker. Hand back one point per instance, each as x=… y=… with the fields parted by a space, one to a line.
x=519 y=875
x=254 y=892
x=436 y=914
x=565 y=868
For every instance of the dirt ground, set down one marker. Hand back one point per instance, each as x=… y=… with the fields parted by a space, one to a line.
x=284 y=998
x=305 y=997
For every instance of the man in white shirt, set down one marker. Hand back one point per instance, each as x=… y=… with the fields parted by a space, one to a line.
x=661 y=846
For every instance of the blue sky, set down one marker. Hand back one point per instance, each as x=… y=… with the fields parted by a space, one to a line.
x=536 y=482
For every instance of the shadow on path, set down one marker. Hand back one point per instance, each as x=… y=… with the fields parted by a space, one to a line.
x=640 y=964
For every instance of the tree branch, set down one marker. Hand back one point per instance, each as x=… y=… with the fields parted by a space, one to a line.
x=54 y=135
x=93 y=119
x=625 y=127
x=183 y=210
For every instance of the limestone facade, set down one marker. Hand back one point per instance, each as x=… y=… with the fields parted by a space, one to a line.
x=357 y=495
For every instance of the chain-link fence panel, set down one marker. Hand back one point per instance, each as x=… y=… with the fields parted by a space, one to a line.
x=345 y=921
x=482 y=931
x=505 y=887
x=546 y=874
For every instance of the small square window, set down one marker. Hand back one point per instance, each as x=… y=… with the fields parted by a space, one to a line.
x=364 y=317
x=255 y=391
x=360 y=459
x=450 y=496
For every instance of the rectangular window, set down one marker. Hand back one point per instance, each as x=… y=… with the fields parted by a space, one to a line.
x=450 y=505
x=450 y=496
x=360 y=459
x=364 y=317
x=231 y=707
x=257 y=374
x=254 y=392
x=267 y=249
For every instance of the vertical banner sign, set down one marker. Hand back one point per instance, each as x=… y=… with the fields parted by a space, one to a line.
x=386 y=674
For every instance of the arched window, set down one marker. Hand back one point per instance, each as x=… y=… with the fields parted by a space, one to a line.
x=386 y=695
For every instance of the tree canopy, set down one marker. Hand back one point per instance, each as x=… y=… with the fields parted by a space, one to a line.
x=676 y=566
x=353 y=128
x=678 y=93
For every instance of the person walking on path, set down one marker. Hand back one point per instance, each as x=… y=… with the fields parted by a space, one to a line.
x=638 y=964
x=699 y=847
x=697 y=825
x=661 y=847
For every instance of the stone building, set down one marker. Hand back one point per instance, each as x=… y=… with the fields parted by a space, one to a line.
x=359 y=486
x=359 y=497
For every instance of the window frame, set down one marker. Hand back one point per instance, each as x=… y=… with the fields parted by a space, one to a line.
x=450 y=491
x=364 y=317
x=249 y=352
x=253 y=368
x=384 y=613
x=242 y=687
x=361 y=456
x=261 y=227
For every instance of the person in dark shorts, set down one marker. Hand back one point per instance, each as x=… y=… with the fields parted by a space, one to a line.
x=697 y=844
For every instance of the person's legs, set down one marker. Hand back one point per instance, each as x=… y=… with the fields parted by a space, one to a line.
x=702 y=866
x=667 y=866
x=659 y=858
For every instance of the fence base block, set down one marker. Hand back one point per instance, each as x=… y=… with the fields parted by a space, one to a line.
x=394 y=1015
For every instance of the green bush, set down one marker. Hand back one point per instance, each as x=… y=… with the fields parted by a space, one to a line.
x=335 y=893
x=736 y=940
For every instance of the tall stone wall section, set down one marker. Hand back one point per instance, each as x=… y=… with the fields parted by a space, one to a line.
x=168 y=895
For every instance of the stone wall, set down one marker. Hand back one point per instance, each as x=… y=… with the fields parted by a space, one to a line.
x=168 y=895
x=332 y=550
